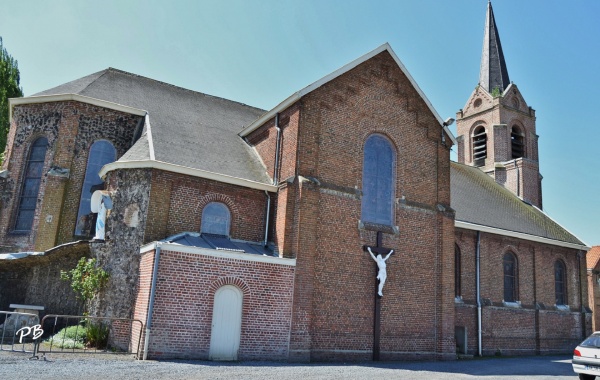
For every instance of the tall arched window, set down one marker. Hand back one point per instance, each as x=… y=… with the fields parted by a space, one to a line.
x=31 y=185
x=457 y=272
x=510 y=277
x=479 y=146
x=517 y=142
x=102 y=152
x=560 y=282
x=216 y=219
x=379 y=161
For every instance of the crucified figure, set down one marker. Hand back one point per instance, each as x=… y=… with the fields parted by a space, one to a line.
x=382 y=274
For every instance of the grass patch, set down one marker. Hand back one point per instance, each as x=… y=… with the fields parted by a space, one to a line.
x=69 y=337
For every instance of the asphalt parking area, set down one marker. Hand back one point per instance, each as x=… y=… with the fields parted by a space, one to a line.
x=65 y=366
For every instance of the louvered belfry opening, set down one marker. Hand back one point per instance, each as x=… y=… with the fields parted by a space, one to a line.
x=479 y=146
x=517 y=143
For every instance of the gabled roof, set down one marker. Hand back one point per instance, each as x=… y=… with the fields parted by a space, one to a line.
x=185 y=128
x=308 y=89
x=492 y=73
x=482 y=204
x=592 y=257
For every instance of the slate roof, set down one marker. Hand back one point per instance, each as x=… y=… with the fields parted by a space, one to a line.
x=222 y=243
x=493 y=72
x=592 y=257
x=478 y=199
x=200 y=131
x=187 y=128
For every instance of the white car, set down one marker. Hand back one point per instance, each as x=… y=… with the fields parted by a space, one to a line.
x=586 y=357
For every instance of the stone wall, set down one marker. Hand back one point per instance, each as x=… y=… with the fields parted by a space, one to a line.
x=35 y=280
x=119 y=254
x=71 y=128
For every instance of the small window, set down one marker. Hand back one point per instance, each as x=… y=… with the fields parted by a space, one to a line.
x=510 y=277
x=560 y=283
x=378 y=181
x=517 y=142
x=102 y=152
x=457 y=272
x=216 y=219
x=479 y=146
x=31 y=185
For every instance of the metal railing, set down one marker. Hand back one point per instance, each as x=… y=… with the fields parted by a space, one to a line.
x=16 y=331
x=89 y=335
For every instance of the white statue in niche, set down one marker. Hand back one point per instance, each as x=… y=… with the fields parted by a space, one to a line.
x=100 y=203
x=382 y=274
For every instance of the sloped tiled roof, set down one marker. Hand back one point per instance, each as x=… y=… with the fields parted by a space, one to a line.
x=188 y=128
x=592 y=257
x=479 y=200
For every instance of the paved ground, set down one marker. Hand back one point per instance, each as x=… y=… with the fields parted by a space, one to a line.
x=65 y=367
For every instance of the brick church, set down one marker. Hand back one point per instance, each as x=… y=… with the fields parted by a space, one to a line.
x=237 y=233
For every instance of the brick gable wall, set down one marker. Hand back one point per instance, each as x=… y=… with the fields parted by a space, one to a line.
x=320 y=212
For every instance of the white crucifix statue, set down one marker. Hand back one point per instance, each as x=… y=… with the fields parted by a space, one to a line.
x=378 y=257
x=381 y=273
x=100 y=203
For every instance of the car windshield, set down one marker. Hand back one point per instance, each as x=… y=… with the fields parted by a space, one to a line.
x=592 y=341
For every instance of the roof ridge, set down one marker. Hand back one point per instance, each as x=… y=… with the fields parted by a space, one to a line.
x=89 y=84
x=119 y=71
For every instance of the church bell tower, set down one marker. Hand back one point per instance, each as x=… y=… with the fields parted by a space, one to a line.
x=496 y=128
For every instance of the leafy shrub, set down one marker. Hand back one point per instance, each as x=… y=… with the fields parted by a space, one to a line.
x=86 y=335
x=96 y=334
x=86 y=278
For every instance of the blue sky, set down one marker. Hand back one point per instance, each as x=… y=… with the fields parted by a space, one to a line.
x=260 y=52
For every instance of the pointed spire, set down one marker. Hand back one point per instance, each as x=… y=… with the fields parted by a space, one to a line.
x=493 y=73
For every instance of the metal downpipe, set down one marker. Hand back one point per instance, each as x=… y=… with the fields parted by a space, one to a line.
x=478 y=286
x=151 y=304
x=267 y=216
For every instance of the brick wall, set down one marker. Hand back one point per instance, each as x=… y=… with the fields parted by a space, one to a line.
x=177 y=202
x=532 y=328
x=318 y=215
x=498 y=116
x=186 y=285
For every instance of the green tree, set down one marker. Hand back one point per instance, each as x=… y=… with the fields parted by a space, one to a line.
x=86 y=279
x=9 y=88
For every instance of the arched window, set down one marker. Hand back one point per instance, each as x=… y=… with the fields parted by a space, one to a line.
x=457 y=272
x=379 y=162
x=31 y=185
x=479 y=146
x=102 y=152
x=216 y=219
x=560 y=282
x=510 y=277
x=517 y=142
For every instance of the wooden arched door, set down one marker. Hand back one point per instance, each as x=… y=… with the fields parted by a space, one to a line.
x=226 y=324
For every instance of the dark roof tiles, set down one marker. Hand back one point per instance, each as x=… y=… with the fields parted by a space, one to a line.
x=478 y=199
x=188 y=128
